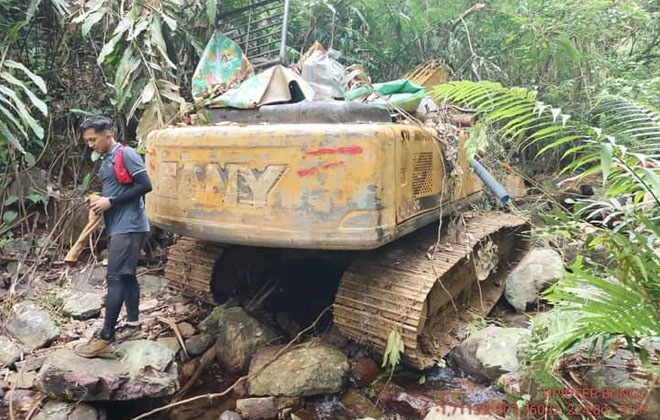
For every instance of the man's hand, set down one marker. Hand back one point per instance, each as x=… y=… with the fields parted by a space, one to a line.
x=100 y=205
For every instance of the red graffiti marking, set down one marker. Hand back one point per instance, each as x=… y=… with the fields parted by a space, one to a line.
x=331 y=164
x=307 y=172
x=348 y=150
x=315 y=169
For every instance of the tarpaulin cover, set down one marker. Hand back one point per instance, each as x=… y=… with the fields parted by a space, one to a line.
x=222 y=65
x=402 y=93
x=275 y=85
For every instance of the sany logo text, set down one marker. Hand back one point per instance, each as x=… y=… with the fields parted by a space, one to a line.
x=240 y=183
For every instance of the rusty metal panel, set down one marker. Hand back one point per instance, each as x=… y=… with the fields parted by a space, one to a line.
x=310 y=186
x=300 y=186
x=420 y=172
x=469 y=182
x=428 y=74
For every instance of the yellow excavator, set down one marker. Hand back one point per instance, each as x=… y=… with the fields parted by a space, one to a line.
x=329 y=178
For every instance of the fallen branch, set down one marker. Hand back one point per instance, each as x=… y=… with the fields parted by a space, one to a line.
x=36 y=407
x=208 y=356
x=239 y=380
x=74 y=252
x=177 y=333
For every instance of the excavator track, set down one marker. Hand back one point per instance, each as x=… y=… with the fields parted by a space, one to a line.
x=429 y=290
x=190 y=265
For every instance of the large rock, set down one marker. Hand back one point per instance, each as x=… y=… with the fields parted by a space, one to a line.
x=90 y=279
x=150 y=284
x=81 y=305
x=408 y=403
x=9 y=351
x=539 y=268
x=620 y=382
x=489 y=353
x=198 y=344
x=518 y=384
x=146 y=370
x=312 y=369
x=238 y=334
x=31 y=325
x=58 y=410
x=257 y=408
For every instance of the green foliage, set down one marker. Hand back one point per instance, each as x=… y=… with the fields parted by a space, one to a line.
x=137 y=51
x=18 y=100
x=393 y=350
x=385 y=36
x=521 y=120
x=633 y=124
x=594 y=303
x=616 y=148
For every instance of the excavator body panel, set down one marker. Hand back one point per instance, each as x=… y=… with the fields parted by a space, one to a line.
x=305 y=186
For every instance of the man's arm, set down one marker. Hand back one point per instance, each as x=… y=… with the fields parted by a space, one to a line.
x=140 y=186
x=141 y=183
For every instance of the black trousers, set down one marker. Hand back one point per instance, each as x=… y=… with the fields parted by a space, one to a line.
x=121 y=280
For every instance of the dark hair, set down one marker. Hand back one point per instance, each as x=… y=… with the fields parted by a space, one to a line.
x=97 y=123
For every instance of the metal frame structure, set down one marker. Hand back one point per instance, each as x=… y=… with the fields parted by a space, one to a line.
x=258 y=28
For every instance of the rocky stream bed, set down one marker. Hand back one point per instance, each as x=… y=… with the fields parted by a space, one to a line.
x=192 y=349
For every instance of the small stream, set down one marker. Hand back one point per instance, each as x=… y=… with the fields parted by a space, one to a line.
x=408 y=395
x=400 y=398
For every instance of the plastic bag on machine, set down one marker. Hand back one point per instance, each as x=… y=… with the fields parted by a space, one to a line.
x=324 y=74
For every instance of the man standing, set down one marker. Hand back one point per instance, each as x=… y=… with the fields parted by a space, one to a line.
x=126 y=223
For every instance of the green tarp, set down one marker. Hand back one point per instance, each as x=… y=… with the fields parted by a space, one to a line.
x=402 y=93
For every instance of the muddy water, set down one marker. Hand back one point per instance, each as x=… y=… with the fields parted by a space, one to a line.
x=211 y=381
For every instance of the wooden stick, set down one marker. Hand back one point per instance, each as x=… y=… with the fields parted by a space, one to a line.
x=74 y=252
x=177 y=333
x=462 y=120
x=208 y=356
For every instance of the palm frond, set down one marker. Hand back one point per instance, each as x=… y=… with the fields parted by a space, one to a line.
x=624 y=147
x=17 y=101
x=522 y=119
x=619 y=302
x=633 y=124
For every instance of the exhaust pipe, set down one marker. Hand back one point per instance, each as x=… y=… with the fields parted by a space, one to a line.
x=489 y=180
x=285 y=28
